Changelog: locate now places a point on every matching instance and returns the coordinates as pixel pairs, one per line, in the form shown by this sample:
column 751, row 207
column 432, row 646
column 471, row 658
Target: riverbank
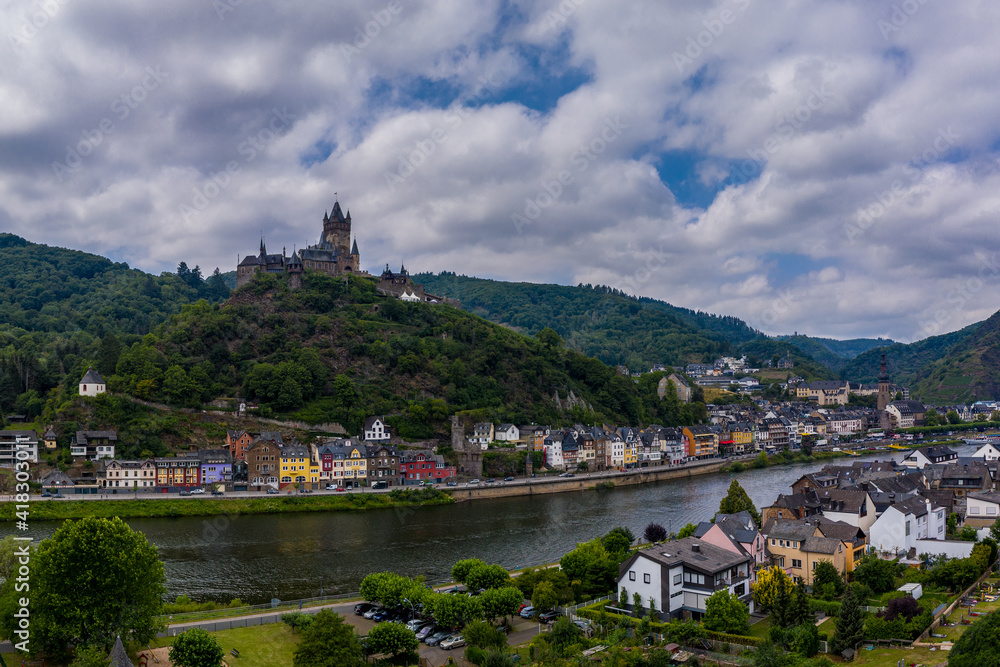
column 57, row 510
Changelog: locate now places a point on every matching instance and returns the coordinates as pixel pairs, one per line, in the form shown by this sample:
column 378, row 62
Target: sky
column 821, row 166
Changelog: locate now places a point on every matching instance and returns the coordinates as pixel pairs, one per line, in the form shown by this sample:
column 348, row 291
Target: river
column 290, row 556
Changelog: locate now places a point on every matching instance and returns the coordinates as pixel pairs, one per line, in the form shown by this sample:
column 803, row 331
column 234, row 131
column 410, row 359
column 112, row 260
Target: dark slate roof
column 821, row 545
column 314, row 254
column 50, row 435
column 118, row 655
column 82, row 437
column 843, row 500
column 708, row 558
column 249, row 260
column 988, row 496
column 369, row 422
column 354, row 248
column 92, row 377
column 788, row 530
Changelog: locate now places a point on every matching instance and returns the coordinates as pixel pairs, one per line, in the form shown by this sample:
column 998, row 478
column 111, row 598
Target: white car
column 452, row 642
column 197, row 490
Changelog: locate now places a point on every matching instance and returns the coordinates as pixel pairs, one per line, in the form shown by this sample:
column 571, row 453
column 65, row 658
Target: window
column 772, row 541
column 907, row 527
column 677, row 578
column 631, row 576
column 645, row 578
column 796, row 564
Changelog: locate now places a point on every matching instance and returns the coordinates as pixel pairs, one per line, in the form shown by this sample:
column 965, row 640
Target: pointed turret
column 884, row 373
column 263, row 248
column 354, row 248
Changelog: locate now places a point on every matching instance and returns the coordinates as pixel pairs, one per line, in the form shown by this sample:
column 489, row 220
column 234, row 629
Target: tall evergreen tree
column 800, row 607
column 737, row 500
column 850, row 623
column 782, row 613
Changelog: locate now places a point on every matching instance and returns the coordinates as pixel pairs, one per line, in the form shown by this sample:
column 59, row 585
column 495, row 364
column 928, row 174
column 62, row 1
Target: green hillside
column 761, row 350
column 905, row 361
column 598, row 321
column 61, row 310
column 968, row 371
column 832, row 353
column 336, row 351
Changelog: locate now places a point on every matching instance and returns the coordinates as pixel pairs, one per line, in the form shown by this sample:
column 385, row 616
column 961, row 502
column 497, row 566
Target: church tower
column 884, row 388
column 337, row 230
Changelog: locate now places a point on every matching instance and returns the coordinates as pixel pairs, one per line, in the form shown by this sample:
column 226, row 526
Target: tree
column 654, row 532
column 624, row 532
column 953, row 417
column 877, row 574
column 483, row 635
column 196, row 648
column 725, row 613
column 116, row 578
column 544, row 596
column 391, row 639
column 782, row 612
column 737, row 500
column 687, row 531
column 977, row 647
column 800, row 605
column 622, row 598
column 931, row 417
column 590, row 569
column 995, row 531
column 769, row 582
column 460, row 570
column 615, row 543
column 850, row 623
column 454, row 611
column 329, row 642
column 564, row 633
column 500, row 602
column 827, row 580
column 485, row 577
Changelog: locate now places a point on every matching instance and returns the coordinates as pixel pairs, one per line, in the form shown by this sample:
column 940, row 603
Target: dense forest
column 335, row 350
column 62, row 310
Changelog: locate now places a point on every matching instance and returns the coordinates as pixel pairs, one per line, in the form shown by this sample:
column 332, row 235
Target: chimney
column 696, row 548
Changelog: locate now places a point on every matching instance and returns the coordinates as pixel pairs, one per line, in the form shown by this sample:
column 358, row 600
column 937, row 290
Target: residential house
column 552, row 450
column 216, row 466
column 737, row 533
column 702, row 441
column 420, row 466
column 906, row 414
column 127, row 475
column 615, row 449
column 263, row 459
column 742, row 437
column 854, row 539
column 965, row 478
column 679, row 576
column 383, row 464
column 349, row 463
column 506, row 433
column 181, row 472
column 987, row 452
column 50, row 439
column 681, row 387
column 237, row 442
column 815, row 481
column 648, row 450
column 982, row 509
column 92, row 383
column 298, row 467
column 853, row 506
column 795, row 547
column 795, row 506
column 570, row 451
column 777, row 434
column 376, row 430
column 56, row 480
column 844, row 423
column 482, row 435
column 18, row 446
column 673, row 445
column 94, row 445
column 899, row 528
column 932, row 455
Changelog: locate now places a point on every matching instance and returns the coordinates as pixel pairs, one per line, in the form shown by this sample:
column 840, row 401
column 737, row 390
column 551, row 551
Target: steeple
column 884, row 373
column 263, row 248
column 354, row 248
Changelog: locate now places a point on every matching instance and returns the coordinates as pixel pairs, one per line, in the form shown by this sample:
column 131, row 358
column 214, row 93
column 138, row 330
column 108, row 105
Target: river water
column 290, row 556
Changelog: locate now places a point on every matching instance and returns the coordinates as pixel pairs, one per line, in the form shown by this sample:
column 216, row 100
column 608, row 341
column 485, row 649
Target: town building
column 679, row 576
column 737, row 533
column 904, row 527
column 12, row 442
column 94, row 445
column 932, row 455
column 127, row 475
column 375, row 430
column 421, row 466
column 178, row 473
column 263, row 459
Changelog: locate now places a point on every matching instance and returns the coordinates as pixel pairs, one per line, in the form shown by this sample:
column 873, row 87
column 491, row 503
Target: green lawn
column 761, row 629
column 271, row 645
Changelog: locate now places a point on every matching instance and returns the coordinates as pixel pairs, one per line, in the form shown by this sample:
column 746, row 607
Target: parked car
column 218, row 493
column 491, row 481
column 380, row 615
column 548, row 616
column 46, row 494
column 437, row 637
column 521, row 608
column 527, row 612
column 197, row 490
column 418, row 624
column 424, row 632
column 58, row 495
column 362, row 607
column 452, row 482
column 452, row 642
column 508, row 479
column 371, row 612
column 273, row 491
column 475, row 481
column 185, row 493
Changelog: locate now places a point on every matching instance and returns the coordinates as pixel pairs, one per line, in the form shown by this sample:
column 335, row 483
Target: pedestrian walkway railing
column 282, row 606
column 570, row 611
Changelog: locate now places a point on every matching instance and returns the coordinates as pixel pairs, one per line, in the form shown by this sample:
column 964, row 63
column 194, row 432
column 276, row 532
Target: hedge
column 831, row 608
column 594, row 613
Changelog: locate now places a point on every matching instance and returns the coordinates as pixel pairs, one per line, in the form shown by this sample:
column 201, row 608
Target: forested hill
column 337, row 351
column 599, row 321
column 58, row 306
column 834, row 354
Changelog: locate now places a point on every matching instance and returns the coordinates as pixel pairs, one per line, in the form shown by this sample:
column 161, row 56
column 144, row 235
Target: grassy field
column 259, row 646
column 178, row 507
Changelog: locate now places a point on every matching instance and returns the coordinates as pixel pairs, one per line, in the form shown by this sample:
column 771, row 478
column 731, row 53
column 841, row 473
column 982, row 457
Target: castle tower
column 884, row 388
column 337, row 230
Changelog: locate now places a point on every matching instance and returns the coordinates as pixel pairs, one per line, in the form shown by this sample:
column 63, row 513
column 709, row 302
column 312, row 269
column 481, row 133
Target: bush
column 831, row 608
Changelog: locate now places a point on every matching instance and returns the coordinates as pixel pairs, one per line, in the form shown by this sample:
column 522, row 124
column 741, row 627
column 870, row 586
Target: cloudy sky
column 821, row 166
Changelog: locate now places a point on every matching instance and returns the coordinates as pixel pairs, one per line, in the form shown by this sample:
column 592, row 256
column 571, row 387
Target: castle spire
column 263, row 248
column 354, row 248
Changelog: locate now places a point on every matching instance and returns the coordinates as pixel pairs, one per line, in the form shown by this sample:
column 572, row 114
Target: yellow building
column 631, row 457
column 298, row 466
column 798, row 546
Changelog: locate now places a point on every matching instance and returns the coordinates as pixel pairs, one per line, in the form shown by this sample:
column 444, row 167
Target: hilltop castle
column 330, row 256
